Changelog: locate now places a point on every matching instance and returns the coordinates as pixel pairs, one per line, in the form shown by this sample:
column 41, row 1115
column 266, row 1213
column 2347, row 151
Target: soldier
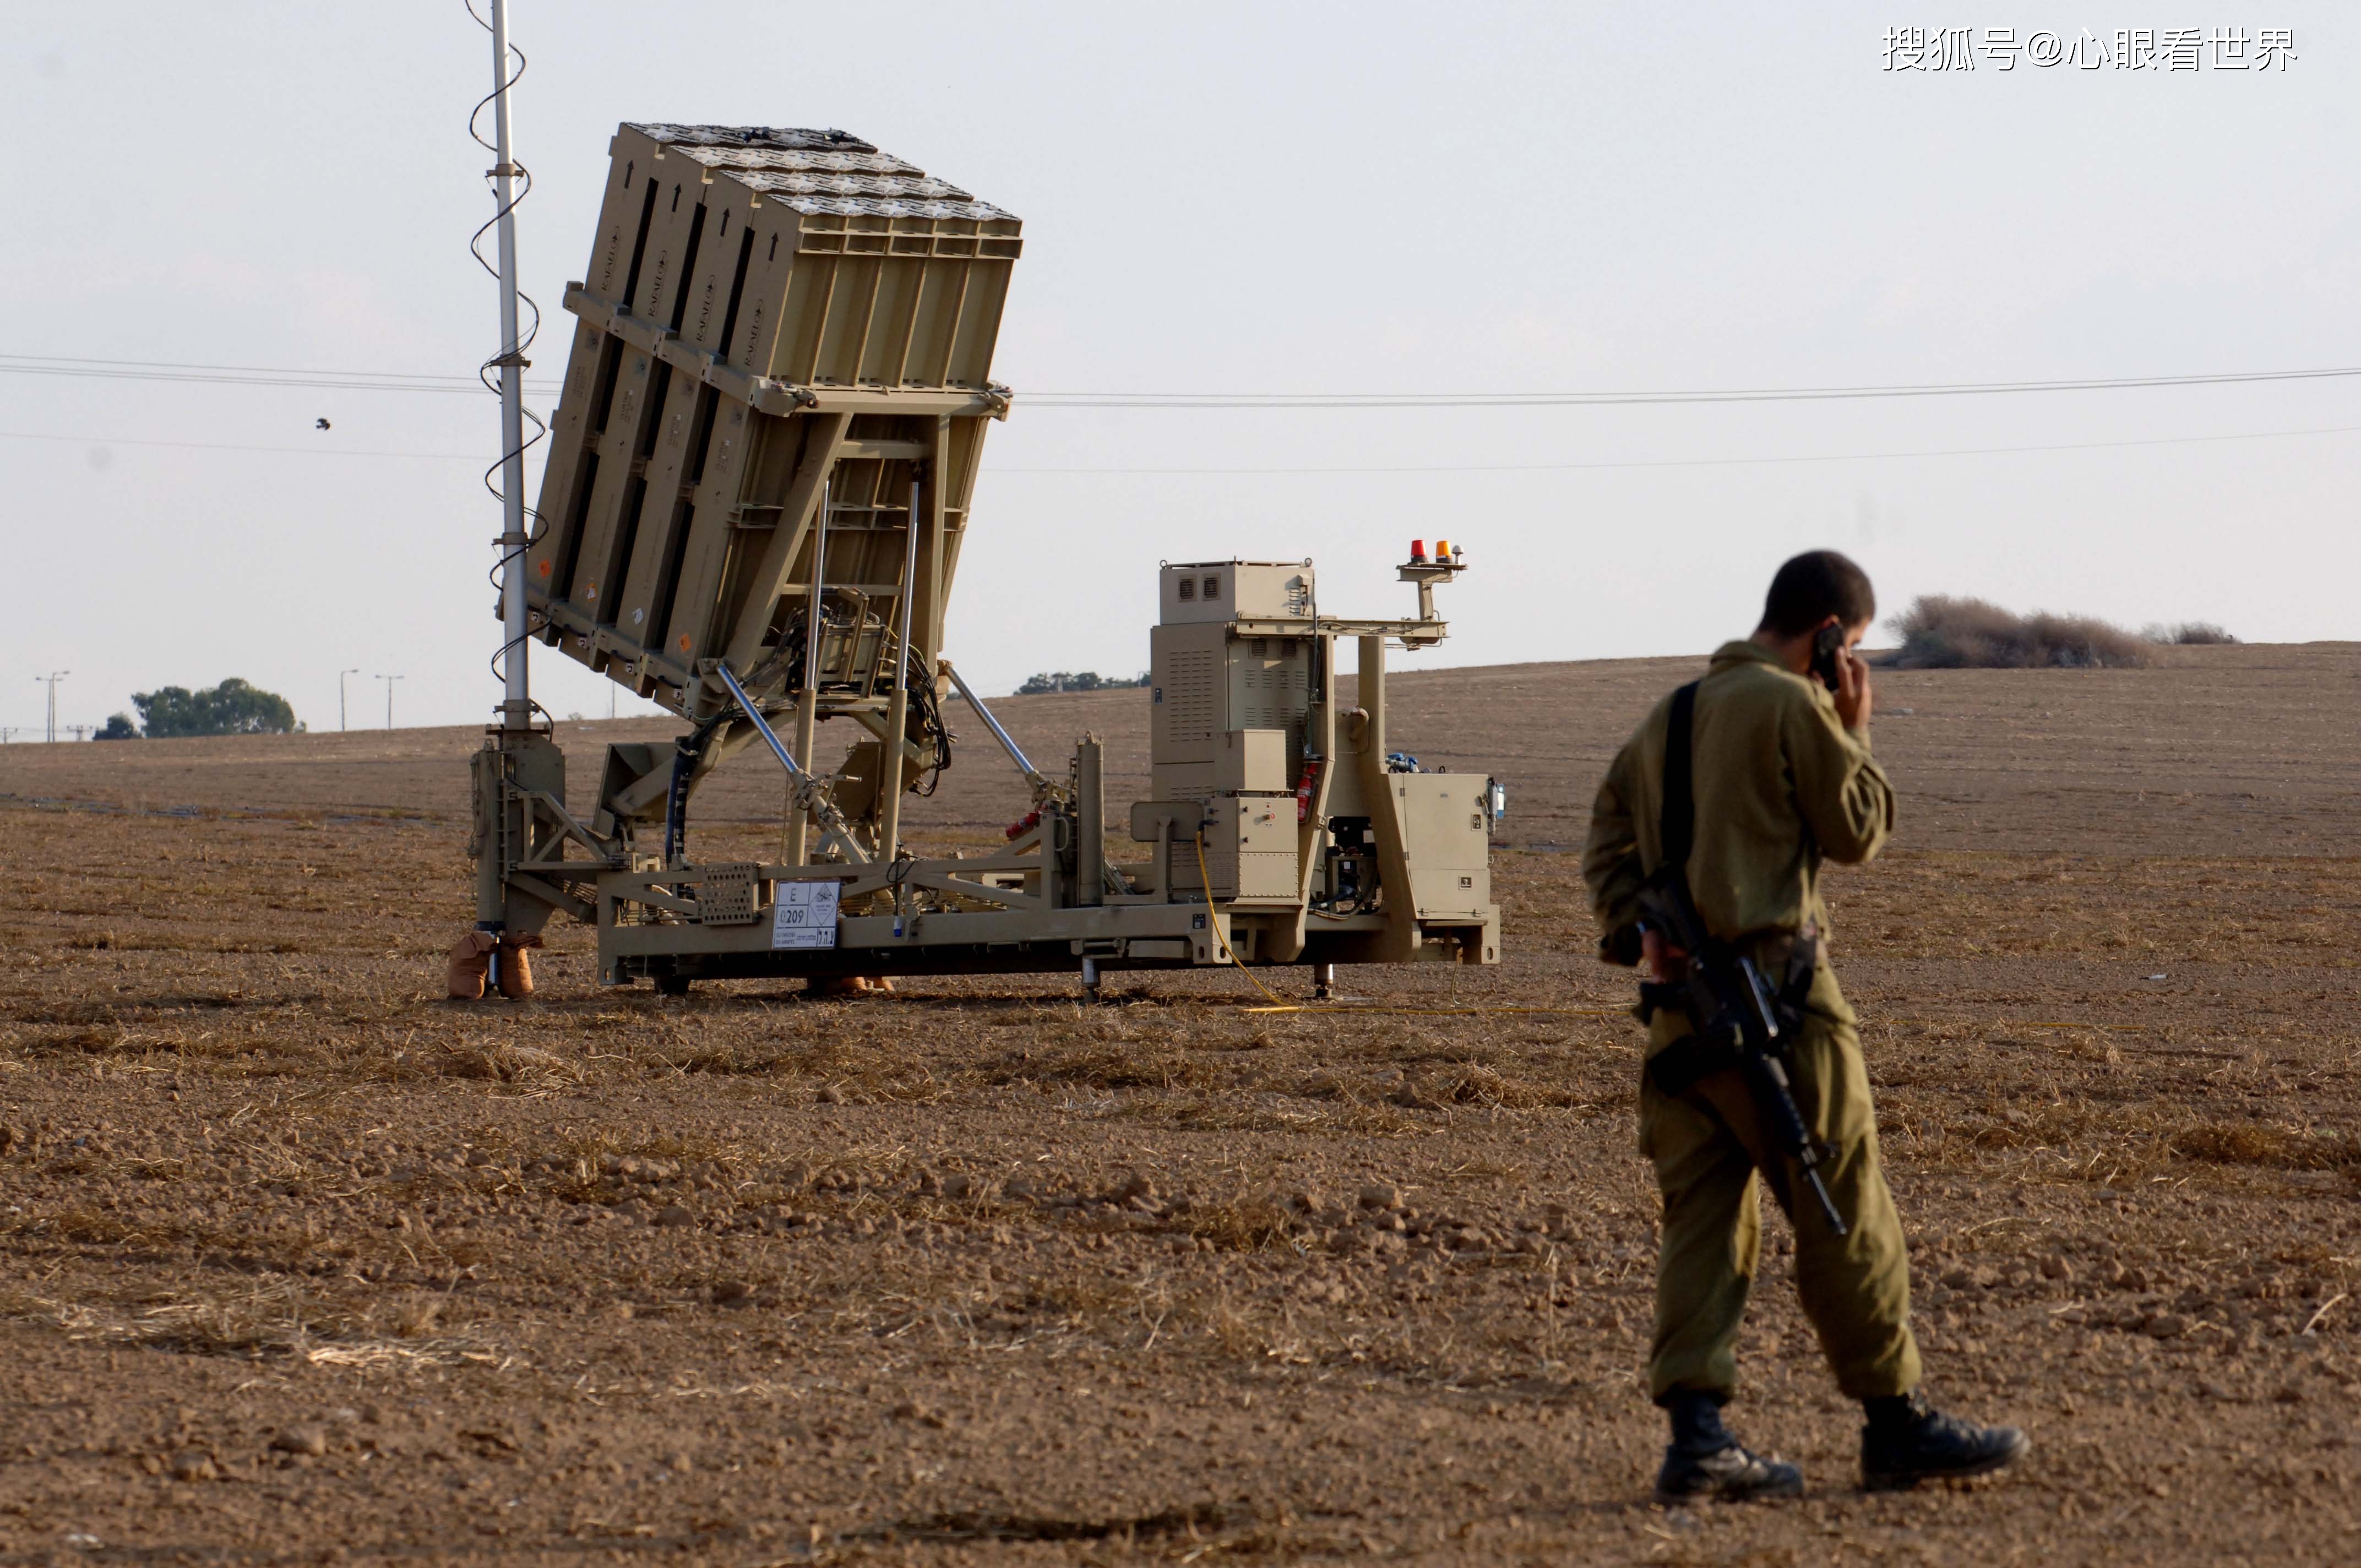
column 1779, row 775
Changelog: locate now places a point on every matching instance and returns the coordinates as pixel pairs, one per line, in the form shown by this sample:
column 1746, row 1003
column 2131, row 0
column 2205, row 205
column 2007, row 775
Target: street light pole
column 389, row 680
column 53, row 677
column 340, row 696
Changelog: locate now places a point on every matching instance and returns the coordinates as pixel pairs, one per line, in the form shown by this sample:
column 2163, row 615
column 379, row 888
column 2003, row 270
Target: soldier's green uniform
column 1779, row 785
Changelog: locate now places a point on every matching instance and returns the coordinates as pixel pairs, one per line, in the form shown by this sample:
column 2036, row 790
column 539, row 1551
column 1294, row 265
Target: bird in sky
column 319, row 424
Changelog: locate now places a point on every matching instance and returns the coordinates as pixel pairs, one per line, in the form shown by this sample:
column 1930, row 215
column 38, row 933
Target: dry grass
column 2278, row 1148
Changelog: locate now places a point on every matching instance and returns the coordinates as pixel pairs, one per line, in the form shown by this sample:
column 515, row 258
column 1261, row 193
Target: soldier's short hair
column 1815, row 586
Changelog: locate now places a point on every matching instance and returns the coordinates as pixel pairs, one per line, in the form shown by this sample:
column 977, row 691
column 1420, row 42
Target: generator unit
column 756, row 495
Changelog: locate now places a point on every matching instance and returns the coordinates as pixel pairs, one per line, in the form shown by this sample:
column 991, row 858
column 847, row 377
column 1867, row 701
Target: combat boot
column 1731, row 1474
column 1908, row 1441
column 1705, row 1461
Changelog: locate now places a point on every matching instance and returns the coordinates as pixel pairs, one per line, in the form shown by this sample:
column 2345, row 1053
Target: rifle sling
column 1683, row 1063
column 1679, row 1066
column 1676, row 817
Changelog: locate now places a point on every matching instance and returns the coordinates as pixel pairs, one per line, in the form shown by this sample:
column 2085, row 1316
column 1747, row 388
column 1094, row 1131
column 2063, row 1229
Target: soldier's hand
column 1660, row 955
column 1852, row 694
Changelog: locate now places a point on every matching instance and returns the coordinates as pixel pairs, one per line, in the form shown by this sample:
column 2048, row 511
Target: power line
column 1721, row 462
column 1338, row 468
column 67, row 359
column 1626, row 400
column 415, row 381
column 245, row 375
column 322, row 451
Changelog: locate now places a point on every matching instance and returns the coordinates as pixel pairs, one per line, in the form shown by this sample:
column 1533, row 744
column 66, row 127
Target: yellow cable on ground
column 1214, row 920
column 2011, row 1022
column 1438, row 1012
column 1616, row 1012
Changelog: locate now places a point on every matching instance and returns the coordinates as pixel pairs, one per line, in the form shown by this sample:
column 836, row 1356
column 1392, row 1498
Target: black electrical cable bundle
column 928, row 703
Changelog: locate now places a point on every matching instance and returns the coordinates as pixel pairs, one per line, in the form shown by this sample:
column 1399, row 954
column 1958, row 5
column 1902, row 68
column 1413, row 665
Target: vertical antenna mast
column 516, row 708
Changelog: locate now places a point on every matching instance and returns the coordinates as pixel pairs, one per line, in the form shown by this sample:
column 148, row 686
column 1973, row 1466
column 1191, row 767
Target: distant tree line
column 233, row 707
column 1068, row 681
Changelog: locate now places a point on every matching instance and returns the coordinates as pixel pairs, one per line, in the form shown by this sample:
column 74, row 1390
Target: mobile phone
column 1824, row 649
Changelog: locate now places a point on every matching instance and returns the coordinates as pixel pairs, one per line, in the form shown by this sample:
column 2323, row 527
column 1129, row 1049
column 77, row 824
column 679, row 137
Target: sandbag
column 470, row 958
column 516, row 969
column 822, row 988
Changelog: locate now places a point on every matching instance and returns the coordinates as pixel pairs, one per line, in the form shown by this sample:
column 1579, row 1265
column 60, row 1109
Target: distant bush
column 1943, row 633
column 118, row 728
column 2189, row 634
column 1066, row 681
column 233, row 707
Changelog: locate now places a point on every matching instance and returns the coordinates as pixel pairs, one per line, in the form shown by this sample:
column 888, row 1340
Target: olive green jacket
column 1779, row 783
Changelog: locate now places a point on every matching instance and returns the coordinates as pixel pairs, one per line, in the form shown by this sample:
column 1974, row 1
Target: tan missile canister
column 768, row 315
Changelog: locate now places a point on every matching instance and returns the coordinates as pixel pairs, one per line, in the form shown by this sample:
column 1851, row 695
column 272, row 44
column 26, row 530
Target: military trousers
column 1708, row 1152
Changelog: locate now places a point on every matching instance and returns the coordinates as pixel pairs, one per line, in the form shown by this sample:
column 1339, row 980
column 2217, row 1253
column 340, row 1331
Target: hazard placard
column 804, row 914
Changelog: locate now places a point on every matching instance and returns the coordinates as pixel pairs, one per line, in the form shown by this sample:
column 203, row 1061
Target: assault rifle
column 1736, row 1013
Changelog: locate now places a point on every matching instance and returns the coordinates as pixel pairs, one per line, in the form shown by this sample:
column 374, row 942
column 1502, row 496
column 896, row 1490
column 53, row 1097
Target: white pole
column 897, row 711
column 812, row 605
column 807, row 700
column 341, row 726
column 516, row 709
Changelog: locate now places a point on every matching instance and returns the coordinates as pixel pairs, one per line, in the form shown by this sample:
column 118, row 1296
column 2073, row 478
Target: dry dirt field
column 300, row 1263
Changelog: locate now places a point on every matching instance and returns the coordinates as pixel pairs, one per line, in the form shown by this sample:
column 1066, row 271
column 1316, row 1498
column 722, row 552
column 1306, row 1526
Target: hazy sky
column 1220, row 198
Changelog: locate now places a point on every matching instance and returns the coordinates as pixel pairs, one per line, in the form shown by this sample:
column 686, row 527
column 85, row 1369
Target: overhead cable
column 1273, row 401
column 246, row 375
column 333, row 451
column 412, row 381
column 1710, row 461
